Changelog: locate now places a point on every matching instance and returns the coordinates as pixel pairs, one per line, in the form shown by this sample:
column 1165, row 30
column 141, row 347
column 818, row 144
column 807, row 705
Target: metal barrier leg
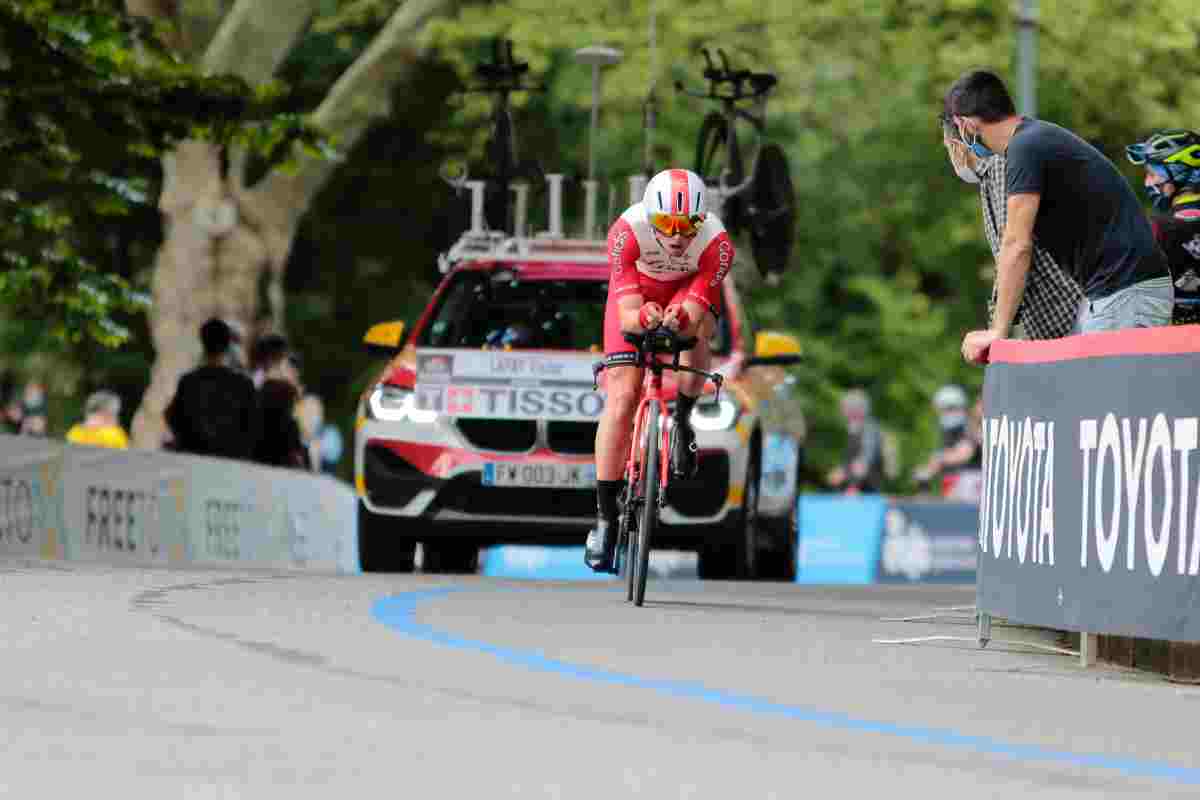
column 985, row 628
column 1089, row 646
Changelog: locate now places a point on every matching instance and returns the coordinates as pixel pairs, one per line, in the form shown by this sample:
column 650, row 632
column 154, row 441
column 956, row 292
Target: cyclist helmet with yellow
column 1172, row 161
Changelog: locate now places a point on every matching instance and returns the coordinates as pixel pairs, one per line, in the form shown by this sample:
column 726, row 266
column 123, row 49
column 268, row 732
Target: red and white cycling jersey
column 634, row 251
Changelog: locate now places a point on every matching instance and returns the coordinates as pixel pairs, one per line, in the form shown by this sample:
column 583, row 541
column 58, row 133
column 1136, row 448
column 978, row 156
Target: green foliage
column 90, row 100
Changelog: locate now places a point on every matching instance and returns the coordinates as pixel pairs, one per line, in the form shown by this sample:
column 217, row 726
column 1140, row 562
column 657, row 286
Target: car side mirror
column 775, row 349
column 384, row 338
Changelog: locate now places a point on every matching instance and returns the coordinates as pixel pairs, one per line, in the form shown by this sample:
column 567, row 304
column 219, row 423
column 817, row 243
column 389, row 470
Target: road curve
column 193, row 683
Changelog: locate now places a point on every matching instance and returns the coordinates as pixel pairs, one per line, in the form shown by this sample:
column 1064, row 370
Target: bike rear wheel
column 773, row 217
column 649, row 508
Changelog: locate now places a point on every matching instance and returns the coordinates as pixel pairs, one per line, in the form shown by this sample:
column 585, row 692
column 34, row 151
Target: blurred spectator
column 324, row 440
column 1171, row 159
column 235, row 357
column 280, row 441
column 101, row 426
column 268, row 354
column 10, row 404
column 213, row 411
column 862, row 468
column 959, row 452
column 1050, row 304
column 33, row 409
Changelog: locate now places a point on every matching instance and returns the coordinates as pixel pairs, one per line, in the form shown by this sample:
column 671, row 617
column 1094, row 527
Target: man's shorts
column 664, row 293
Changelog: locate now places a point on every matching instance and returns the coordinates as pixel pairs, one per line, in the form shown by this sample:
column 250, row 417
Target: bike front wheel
column 649, row 507
column 712, row 158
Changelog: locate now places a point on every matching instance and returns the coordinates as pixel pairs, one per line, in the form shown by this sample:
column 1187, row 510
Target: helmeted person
column 667, row 258
column 1171, row 159
column 958, row 450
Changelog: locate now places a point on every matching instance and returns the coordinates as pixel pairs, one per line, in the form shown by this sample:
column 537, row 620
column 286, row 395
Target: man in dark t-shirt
column 1065, row 193
column 214, row 410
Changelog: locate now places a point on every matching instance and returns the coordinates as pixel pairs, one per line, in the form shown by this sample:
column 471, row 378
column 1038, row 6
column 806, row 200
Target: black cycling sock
column 683, row 408
column 608, row 497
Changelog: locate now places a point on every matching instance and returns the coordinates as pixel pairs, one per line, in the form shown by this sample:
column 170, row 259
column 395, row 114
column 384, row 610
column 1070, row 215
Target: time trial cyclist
column 667, row 257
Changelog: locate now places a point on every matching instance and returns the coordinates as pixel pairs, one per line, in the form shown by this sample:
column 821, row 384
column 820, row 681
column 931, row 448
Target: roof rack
column 478, row 243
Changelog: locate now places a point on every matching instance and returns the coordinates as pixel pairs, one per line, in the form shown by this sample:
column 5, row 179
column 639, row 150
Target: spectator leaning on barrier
column 100, row 426
column 1067, row 194
column 1050, row 304
column 1172, row 162
column 862, row 468
column 214, row 412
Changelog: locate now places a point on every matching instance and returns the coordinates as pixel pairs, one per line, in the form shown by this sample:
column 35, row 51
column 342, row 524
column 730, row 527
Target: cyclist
column 667, row 257
column 1172, row 162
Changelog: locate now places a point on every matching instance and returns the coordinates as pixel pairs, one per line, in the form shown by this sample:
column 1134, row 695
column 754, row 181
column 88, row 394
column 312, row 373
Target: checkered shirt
column 1052, row 298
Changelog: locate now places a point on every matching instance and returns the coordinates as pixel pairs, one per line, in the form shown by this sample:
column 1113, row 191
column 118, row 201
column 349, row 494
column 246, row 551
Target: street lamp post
column 597, row 56
column 1027, row 57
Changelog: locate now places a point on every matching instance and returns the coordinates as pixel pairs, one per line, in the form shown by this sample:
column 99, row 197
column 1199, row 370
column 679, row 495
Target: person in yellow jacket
column 100, row 427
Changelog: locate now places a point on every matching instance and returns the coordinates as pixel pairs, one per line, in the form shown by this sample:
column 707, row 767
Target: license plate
column 545, row 475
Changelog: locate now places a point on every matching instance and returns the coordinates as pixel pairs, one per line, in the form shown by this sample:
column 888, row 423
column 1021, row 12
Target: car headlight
column 394, row 404
column 719, row 416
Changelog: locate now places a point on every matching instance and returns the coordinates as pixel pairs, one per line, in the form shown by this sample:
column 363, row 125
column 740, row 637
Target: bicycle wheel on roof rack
column 772, row 213
column 712, row 157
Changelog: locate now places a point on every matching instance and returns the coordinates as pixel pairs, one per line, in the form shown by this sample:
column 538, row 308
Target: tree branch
column 361, row 95
column 256, row 36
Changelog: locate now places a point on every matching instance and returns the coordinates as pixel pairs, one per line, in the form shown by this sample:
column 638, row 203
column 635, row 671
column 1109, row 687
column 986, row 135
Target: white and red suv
column 480, row 430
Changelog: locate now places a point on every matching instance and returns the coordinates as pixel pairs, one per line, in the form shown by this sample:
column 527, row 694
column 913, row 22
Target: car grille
column 390, row 479
column 571, row 438
column 467, row 494
column 500, row 435
column 703, row 495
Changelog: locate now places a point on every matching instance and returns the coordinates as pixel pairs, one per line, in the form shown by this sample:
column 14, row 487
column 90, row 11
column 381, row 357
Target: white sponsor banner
column 138, row 507
column 453, row 365
column 123, row 507
column 512, row 402
column 30, row 502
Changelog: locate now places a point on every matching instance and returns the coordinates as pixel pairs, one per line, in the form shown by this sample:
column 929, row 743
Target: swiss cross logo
column 1193, row 247
column 460, row 400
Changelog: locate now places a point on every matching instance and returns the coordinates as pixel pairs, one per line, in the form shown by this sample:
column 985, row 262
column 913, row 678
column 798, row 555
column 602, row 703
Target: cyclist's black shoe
column 601, row 545
column 683, row 451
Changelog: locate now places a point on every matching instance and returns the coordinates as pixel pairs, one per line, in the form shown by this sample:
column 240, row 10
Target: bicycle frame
column 651, row 390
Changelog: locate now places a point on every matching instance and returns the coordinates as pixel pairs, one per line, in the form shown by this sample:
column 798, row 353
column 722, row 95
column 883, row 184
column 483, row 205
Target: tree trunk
column 222, row 237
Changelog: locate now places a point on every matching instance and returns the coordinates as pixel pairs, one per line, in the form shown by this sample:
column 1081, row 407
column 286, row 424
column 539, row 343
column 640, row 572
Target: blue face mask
column 980, row 149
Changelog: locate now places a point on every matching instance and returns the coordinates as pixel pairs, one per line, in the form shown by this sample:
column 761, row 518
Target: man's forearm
column 1012, row 269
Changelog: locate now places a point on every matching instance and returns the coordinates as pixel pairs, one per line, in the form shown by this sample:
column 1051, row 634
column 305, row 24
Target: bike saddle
column 762, row 81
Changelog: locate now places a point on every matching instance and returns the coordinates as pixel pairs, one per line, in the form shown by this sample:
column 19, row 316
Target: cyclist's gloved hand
column 676, row 318
column 650, row 316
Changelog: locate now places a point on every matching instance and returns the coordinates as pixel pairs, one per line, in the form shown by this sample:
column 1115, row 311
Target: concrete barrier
column 77, row 503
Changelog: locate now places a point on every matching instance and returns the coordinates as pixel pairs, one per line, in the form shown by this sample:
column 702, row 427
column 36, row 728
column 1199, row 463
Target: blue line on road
column 398, row 614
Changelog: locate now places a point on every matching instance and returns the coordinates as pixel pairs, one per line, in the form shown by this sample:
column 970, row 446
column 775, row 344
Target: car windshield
column 499, row 309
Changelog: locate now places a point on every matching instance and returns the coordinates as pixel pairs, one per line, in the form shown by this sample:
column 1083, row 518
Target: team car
column 480, row 429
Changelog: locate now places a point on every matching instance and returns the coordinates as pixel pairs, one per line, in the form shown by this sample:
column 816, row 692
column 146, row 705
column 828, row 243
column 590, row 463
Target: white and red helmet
column 678, row 192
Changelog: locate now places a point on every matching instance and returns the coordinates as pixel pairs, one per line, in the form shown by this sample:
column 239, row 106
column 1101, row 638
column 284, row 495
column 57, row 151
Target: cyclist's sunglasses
column 677, row 224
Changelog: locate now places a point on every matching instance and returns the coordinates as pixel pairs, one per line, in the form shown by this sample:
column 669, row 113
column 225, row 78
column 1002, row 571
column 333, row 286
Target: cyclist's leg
column 701, row 324
column 623, row 388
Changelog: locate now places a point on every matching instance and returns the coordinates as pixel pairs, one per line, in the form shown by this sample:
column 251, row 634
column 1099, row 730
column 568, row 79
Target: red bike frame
column 651, row 390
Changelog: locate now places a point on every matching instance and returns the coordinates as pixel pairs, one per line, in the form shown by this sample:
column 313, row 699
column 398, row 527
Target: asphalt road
column 198, row 684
